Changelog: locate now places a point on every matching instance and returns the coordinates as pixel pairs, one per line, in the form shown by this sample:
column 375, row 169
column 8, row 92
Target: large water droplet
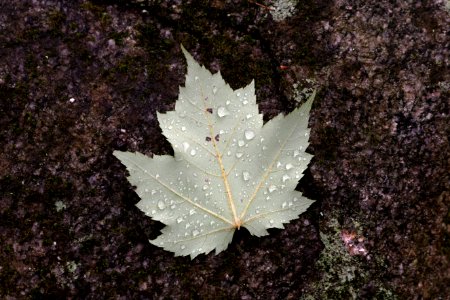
column 249, row 134
column 246, row 175
column 272, row 188
column 185, row 146
column 222, row 112
column 161, row 204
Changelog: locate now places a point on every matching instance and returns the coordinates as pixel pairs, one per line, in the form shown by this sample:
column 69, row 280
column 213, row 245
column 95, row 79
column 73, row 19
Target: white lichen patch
column 283, row 9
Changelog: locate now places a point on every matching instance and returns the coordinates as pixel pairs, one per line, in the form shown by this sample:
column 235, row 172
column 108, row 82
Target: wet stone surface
column 79, row 79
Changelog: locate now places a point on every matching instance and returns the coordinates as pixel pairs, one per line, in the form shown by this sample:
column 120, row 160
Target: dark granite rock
column 79, row 79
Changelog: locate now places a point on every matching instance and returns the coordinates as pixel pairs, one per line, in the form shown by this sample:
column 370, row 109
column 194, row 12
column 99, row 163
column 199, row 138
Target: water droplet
column 187, row 225
column 246, row 175
column 182, row 247
column 241, row 143
column 238, row 94
column 157, row 176
column 179, row 220
column 185, row 146
column 183, row 128
column 239, row 154
column 146, row 190
column 248, row 116
column 193, row 152
column 205, row 187
column 222, row 112
column 195, row 232
column 249, row 134
column 279, row 164
column 228, row 102
column 161, row 204
column 271, row 222
column 286, row 177
column 296, row 153
column 245, row 102
column 196, row 78
column 289, row 166
column 283, row 205
column 272, row 188
column 191, row 212
column 214, row 90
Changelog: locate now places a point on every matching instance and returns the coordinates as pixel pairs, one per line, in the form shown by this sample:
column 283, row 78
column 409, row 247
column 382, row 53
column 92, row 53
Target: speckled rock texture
column 79, row 79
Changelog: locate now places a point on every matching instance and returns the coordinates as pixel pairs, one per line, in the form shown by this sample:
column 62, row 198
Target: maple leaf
column 228, row 170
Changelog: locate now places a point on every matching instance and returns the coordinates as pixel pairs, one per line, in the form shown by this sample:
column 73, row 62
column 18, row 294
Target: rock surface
column 79, row 79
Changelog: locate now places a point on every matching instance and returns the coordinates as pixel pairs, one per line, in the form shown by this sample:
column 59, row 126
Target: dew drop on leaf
column 222, row 112
column 249, row 134
column 241, row 143
column 185, row 146
column 195, row 232
column 193, row 152
column 179, row 220
column 246, row 175
column 161, row 204
column 272, row 188
column 289, row 166
column 239, row 154
column 286, row 177
column 214, row 90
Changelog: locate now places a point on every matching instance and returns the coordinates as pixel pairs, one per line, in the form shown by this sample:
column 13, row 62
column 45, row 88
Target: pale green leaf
column 228, row 170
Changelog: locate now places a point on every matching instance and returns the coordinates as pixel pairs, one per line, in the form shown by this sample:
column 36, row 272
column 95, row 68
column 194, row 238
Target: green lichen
column 343, row 275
